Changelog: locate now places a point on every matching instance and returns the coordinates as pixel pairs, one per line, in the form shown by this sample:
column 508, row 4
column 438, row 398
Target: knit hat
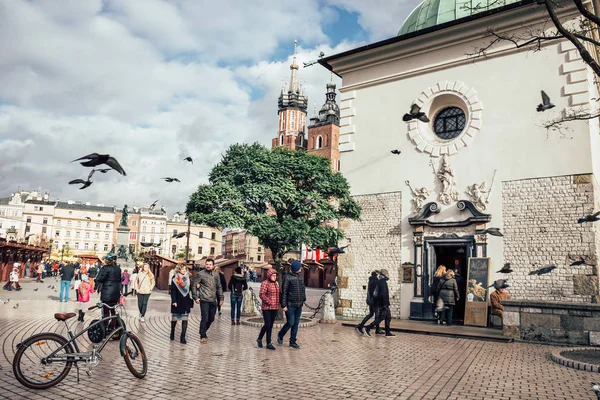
column 383, row 272
column 296, row 266
column 238, row 270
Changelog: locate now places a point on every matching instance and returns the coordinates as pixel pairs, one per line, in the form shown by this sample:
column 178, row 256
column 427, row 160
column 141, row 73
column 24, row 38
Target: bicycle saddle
column 64, row 317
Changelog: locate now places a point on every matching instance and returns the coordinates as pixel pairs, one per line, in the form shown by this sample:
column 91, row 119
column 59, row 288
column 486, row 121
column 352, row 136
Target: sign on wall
column 476, row 307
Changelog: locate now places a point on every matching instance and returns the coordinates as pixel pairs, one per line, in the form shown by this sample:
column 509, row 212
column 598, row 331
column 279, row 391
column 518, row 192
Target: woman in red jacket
column 269, row 294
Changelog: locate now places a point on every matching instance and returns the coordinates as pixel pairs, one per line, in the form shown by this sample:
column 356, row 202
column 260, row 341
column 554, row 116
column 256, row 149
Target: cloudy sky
column 153, row 81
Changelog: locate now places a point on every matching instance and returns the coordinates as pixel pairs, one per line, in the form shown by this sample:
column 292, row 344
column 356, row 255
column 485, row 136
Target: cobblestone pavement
column 334, row 362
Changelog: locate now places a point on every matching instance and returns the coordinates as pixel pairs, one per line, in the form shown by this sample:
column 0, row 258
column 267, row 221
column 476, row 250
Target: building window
column 132, row 236
column 76, row 246
column 88, row 224
column 96, row 235
column 143, row 229
column 98, row 225
column 281, row 122
column 301, row 139
column 44, row 229
column 86, row 246
column 95, row 246
column 199, row 250
column 68, row 233
column 174, row 232
column 259, row 249
column 70, row 212
column 105, row 247
column 77, row 234
column 78, row 223
column 174, row 249
column 106, row 236
column 87, row 235
column 319, row 142
column 292, row 120
column 69, row 223
column 152, row 230
column 339, row 166
column 143, row 239
column 28, row 219
column 66, row 244
column 35, row 208
column 133, row 223
column 212, row 251
column 27, row 229
column 201, row 235
column 58, row 222
column 213, row 236
column 258, row 258
column 57, row 233
column 107, row 226
column 449, row 123
column 281, row 140
column 162, row 230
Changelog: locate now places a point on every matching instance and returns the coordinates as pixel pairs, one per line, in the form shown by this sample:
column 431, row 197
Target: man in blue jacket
column 293, row 297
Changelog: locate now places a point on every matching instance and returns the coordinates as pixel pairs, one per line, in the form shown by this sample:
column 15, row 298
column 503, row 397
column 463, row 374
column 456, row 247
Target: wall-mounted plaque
column 407, row 274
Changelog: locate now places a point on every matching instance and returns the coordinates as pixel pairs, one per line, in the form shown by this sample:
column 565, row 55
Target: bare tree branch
column 586, row 13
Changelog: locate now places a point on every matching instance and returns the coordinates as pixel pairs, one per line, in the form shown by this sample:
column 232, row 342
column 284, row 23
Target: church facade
column 432, row 185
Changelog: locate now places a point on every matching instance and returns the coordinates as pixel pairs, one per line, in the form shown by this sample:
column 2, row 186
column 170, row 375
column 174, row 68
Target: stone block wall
column 540, row 228
column 552, row 322
column 375, row 243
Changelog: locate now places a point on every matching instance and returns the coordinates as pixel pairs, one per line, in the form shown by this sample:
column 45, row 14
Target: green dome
column 435, row 12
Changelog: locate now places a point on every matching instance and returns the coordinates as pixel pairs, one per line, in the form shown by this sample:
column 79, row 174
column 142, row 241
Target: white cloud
column 148, row 82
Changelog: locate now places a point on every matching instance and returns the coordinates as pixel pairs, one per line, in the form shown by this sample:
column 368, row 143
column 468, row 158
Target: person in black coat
column 108, row 283
column 373, row 279
column 223, row 285
column 181, row 301
column 381, row 301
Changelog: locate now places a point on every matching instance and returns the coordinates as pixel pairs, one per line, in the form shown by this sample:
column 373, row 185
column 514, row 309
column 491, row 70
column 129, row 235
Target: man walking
column 381, row 300
column 207, row 291
column 293, row 297
column 66, row 275
column 373, row 279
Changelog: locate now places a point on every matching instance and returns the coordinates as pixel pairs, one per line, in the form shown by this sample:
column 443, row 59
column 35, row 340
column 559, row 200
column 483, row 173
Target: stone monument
column 123, row 242
column 328, row 310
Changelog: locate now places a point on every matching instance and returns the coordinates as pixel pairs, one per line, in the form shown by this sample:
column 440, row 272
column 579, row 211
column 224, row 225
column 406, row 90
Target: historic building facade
column 430, row 188
column 204, row 240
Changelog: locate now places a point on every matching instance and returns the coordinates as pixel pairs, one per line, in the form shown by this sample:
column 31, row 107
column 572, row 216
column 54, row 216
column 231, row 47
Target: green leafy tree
column 282, row 197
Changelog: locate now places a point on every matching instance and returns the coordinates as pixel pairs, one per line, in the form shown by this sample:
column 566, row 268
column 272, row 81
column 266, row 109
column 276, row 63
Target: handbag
column 439, row 304
column 122, row 300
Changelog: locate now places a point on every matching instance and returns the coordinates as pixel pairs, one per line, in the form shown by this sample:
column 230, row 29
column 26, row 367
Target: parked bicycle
column 45, row 359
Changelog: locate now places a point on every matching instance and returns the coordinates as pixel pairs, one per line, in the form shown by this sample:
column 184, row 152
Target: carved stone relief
column 445, row 175
column 419, row 197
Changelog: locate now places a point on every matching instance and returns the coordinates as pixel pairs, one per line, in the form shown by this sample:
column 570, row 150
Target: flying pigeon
column 396, row 152
column 179, row 235
column 505, row 269
column 103, row 170
column 85, row 184
column 189, row 159
column 171, row 179
column 321, row 55
column 493, row 231
column 589, row 218
column 162, row 209
column 152, row 205
column 500, row 284
column 88, row 218
column 146, row 244
column 5, row 301
column 415, row 113
column 581, row 261
column 332, row 253
column 544, row 270
column 95, row 159
column 546, row 104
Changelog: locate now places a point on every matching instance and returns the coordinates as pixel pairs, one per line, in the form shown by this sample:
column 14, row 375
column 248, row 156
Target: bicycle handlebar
column 101, row 304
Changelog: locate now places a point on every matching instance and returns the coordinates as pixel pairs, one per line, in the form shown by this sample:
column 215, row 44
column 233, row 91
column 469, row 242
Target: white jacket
column 14, row 276
column 143, row 283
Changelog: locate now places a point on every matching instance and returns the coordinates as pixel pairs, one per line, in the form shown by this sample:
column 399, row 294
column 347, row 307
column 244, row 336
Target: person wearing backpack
column 381, row 301
column 237, row 285
column 373, row 279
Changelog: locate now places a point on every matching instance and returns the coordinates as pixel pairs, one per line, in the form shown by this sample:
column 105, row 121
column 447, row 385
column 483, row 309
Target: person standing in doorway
column 269, row 294
column 223, row 281
column 371, row 285
column 207, row 292
column 66, row 276
column 439, row 274
column 237, row 285
column 144, row 284
column 381, row 299
column 293, row 297
column 448, row 292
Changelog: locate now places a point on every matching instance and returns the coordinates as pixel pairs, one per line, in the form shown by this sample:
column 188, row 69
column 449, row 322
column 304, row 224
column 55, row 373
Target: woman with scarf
column 181, row 301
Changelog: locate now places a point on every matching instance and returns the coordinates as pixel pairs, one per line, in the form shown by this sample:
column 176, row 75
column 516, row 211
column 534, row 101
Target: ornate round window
column 449, row 123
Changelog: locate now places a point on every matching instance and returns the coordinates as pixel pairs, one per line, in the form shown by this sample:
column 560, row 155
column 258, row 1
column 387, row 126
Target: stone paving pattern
column 334, row 362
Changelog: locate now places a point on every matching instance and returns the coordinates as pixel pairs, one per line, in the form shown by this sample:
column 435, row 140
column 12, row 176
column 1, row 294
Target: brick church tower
column 293, row 103
column 324, row 130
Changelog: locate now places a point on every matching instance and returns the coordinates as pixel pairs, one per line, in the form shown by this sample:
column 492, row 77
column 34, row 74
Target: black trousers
column 143, row 303
column 382, row 314
column 107, row 312
column 368, row 317
column 207, row 312
column 449, row 313
column 269, row 317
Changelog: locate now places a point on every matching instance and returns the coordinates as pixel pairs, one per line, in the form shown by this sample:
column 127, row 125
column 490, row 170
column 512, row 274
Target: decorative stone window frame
column 432, row 101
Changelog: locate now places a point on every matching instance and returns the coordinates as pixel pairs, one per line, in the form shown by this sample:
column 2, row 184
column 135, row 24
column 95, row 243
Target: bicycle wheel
column 135, row 356
column 31, row 371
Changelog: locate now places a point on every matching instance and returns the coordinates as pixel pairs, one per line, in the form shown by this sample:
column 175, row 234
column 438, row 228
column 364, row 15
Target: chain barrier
column 255, row 299
column 321, row 302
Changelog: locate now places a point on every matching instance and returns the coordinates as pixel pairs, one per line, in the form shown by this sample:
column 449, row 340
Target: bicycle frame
column 83, row 356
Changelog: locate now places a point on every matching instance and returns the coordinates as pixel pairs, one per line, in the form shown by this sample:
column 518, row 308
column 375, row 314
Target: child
column 83, row 295
column 13, row 279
